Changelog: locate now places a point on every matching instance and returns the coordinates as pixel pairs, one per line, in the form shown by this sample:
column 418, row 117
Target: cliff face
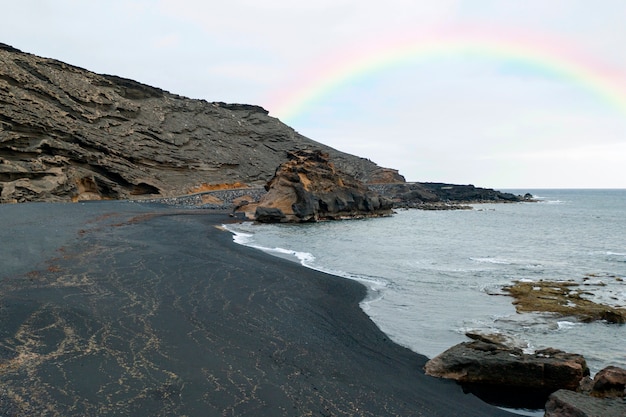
column 68, row 133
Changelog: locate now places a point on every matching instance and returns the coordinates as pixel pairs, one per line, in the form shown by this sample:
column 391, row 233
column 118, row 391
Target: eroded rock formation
column 308, row 187
column 68, row 133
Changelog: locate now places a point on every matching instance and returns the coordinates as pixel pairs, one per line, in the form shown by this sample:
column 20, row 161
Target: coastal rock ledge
column 309, row 188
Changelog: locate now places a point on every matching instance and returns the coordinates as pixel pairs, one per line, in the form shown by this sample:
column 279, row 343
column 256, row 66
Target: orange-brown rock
column 565, row 298
column 308, row 187
column 214, row 187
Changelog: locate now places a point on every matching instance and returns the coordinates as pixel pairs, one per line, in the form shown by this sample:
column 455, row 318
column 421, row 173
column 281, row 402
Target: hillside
column 70, row 134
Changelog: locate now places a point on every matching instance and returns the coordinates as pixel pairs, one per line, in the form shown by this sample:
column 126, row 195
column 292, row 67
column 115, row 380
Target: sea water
column 435, row 275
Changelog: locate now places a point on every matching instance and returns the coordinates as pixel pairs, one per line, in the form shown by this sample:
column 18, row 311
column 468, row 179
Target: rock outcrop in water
column 68, row 133
column 440, row 196
column 565, row 298
column 308, row 188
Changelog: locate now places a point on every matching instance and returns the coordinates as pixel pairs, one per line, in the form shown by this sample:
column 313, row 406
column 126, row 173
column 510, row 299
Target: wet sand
column 118, row 309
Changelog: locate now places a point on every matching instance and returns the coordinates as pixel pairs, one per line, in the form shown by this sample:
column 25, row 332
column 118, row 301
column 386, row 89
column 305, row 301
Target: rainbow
column 552, row 58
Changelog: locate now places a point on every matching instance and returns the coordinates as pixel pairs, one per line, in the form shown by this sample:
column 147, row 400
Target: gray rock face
column 68, row 133
column 565, row 403
column 604, row 396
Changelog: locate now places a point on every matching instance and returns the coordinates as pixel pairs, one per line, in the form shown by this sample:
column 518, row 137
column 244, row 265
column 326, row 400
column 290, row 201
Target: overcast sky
column 496, row 93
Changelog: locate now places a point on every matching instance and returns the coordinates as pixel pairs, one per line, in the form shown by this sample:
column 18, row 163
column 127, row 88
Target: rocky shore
column 146, row 308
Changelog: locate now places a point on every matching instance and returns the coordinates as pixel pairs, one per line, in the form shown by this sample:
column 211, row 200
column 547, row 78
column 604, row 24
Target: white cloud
column 168, row 41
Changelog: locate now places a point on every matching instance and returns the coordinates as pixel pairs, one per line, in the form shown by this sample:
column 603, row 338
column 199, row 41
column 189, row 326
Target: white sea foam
column 247, row 239
column 240, row 237
column 546, row 200
column 490, row 260
column 374, row 284
column 566, row 325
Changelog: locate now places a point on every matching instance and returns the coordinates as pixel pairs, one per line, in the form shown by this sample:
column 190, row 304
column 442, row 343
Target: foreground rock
column 506, row 376
column 609, row 383
column 68, row 133
column 308, row 188
column 604, row 396
column 564, row 298
column 565, row 403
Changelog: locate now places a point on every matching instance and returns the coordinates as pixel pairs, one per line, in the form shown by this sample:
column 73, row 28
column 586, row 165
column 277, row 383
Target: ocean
column 435, row 275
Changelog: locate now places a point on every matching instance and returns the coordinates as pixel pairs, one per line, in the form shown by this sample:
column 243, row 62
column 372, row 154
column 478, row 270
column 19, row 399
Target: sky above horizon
column 495, row 93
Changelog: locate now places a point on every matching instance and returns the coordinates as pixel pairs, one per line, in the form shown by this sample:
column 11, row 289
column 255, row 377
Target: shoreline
column 155, row 311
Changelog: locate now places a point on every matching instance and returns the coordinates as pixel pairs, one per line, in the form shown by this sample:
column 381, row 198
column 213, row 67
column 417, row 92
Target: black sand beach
column 121, row 309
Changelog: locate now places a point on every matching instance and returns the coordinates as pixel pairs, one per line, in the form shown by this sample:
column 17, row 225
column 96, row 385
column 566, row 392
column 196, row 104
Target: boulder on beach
column 506, row 376
column 308, row 188
column 602, row 396
column 610, row 382
column 565, row 403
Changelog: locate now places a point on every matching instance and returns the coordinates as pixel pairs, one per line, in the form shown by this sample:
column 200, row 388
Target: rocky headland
column 68, row 134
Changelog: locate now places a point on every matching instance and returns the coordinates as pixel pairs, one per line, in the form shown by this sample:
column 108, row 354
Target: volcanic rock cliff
column 68, row 133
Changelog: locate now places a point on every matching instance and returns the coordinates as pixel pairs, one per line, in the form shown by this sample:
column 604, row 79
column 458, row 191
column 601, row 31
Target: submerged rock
column 308, row 188
column 506, row 376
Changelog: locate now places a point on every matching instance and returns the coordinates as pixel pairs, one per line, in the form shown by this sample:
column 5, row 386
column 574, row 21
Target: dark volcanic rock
column 601, row 397
column 440, row 196
column 610, row 382
column 565, row 403
column 507, row 376
column 68, row 133
column 269, row 215
column 468, row 193
column 310, row 188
